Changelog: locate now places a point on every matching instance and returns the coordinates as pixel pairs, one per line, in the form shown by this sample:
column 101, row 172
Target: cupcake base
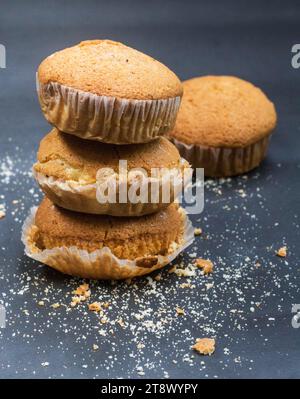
column 107, row 119
column 100, row 264
column 221, row 161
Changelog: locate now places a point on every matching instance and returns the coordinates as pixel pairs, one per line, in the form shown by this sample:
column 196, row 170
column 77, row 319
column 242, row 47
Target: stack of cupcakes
column 107, row 103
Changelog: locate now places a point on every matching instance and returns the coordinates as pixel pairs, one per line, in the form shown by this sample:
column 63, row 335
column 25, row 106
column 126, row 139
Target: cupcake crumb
column 185, row 285
column 204, row 346
column 197, row 231
column 282, row 252
column 205, row 264
column 121, row 323
column 75, row 301
column 180, row 311
column 172, row 269
column 95, row 307
column 83, row 289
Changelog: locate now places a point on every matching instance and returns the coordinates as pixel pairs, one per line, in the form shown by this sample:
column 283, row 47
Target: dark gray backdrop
column 250, row 39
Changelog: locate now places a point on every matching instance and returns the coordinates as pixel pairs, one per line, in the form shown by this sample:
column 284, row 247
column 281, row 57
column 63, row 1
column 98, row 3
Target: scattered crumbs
column 226, row 351
column 197, row 231
column 172, row 269
column 282, row 252
column 94, row 307
column 185, row 285
column 184, row 272
column 82, row 291
column 179, row 311
column 205, row 264
column 205, row 346
column 247, row 277
column 2, row 211
column 55, row 305
column 140, row 370
column 121, row 323
column 75, row 301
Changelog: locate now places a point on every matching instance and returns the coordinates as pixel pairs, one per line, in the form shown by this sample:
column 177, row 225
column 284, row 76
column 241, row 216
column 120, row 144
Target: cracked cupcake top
column 223, row 111
column 109, row 68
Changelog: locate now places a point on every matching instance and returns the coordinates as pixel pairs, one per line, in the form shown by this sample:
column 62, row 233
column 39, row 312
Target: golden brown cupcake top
column 127, row 237
column 109, row 68
column 223, row 111
column 66, row 157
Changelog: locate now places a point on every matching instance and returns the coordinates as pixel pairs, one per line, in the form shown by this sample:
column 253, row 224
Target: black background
column 249, row 39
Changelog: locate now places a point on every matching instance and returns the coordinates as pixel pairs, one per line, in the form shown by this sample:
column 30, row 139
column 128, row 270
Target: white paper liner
column 83, row 197
column 103, row 118
column 100, row 264
column 222, row 161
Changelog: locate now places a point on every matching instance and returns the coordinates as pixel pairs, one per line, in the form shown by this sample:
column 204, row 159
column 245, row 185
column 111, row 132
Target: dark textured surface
column 248, row 309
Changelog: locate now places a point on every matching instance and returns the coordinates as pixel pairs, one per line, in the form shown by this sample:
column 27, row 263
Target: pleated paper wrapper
column 222, row 161
column 107, row 119
column 102, row 263
column 82, row 197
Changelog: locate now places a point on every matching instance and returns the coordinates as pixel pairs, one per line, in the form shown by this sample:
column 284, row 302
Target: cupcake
column 223, row 125
column 103, row 90
column 105, row 247
column 73, row 173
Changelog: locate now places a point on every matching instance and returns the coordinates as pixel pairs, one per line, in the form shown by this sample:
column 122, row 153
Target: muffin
column 223, row 125
column 105, row 247
column 73, row 173
column 103, row 90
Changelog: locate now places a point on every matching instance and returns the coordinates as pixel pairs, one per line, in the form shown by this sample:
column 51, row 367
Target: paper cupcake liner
column 83, row 198
column 221, row 161
column 107, row 119
column 100, row 264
